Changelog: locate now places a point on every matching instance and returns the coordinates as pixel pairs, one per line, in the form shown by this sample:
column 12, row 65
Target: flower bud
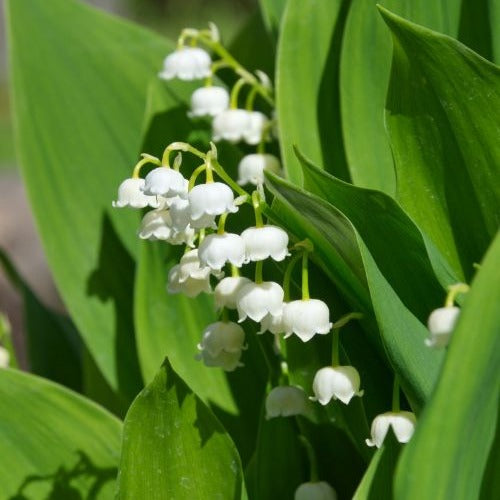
column 266, row 241
column 402, row 423
column 340, row 382
column 251, row 168
column 130, row 195
column 165, row 182
column 188, row 277
column 306, row 318
column 227, row 290
column 441, row 323
column 187, row 63
column 286, row 401
column 217, row 249
column 318, row 490
column 211, row 199
column 209, row 101
column 236, row 125
column 258, row 300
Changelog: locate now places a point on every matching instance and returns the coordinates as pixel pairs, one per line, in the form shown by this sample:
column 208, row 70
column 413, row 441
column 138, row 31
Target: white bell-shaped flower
column 180, row 213
column 187, row 63
column 217, row 249
column 156, row 225
column 226, row 291
column 273, row 324
column 264, row 242
column 166, row 182
column 251, row 168
column 214, row 198
column 340, row 382
column 258, row 300
column 318, row 490
column 4, row 357
column 188, row 277
column 130, row 195
column 209, row 101
column 221, row 345
column 236, row 125
column 286, row 401
column 306, row 318
column 441, row 323
column 402, row 423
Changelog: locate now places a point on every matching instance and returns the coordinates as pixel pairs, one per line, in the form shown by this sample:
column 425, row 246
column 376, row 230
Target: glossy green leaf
column 79, row 82
column 442, row 115
column 364, row 79
column 58, row 444
column 174, row 447
column 307, row 91
column 447, row 456
column 53, row 344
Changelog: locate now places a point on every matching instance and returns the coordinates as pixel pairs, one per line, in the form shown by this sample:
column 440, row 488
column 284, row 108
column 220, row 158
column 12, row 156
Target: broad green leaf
column 174, row 447
column 307, row 90
column 447, row 456
column 56, row 443
column 364, row 78
column 447, row 155
column 78, row 99
column 53, row 344
column 272, row 12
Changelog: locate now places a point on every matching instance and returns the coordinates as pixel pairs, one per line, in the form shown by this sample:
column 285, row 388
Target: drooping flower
column 306, row 318
column 402, row 423
column 317, row 490
column 4, row 357
column 264, row 242
column 130, row 195
column 157, row 225
column 441, row 323
column 340, row 382
column 226, row 291
column 286, row 401
column 236, row 125
column 221, row 345
column 251, row 168
column 188, row 277
column 187, row 63
column 211, row 199
column 209, row 101
column 257, row 300
column 166, row 182
column 217, row 249
column 273, row 324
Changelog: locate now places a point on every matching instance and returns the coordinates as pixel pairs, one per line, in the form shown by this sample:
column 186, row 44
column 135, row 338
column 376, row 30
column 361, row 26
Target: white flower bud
column 227, row 290
column 257, row 300
column 215, row 198
column 221, row 345
column 319, row 490
column 273, row 324
column 180, row 213
column 130, row 195
column 306, row 318
column 286, row 401
column 4, row 357
column 235, row 125
column 187, row 63
column 156, row 225
column 264, row 242
column 217, row 249
column 402, row 423
column 165, row 182
column 209, row 101
column 441, row 323
column 251, row 168
column 340, row 382
column 188, row 277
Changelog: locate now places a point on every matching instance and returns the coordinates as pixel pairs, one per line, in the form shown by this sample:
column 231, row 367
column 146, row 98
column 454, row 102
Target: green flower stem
column 217, row 65
column 197, row 171
column 225, row 315
column 258, row 271
column 453, row 291
column 395, row 395
column 235, row 272
column 257, row 210
column 201, row 236
column 287, row 278
column 250, row 99
column 313, row 464
column 219, row 170
column 335, row 347
column 305, row 276
column 235, row 91
column 221, row 228
column 180, row 146
column 346, row 318
column 140, row 163
column 208, row 171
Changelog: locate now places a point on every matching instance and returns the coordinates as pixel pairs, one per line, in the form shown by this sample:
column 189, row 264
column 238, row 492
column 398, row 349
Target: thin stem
column 250, row 99
column 313, row 464
column 346, row 318
column 180, row 146
column 258, row 271
column 197, row 171
column 395, row 395
column 335, row 347
column 235, row 272
column 288, row 276
column 225, row 315
column 209, row 174
column 217, row 65
column 219, row 169
column 257, row 210
column 305, row 277
column 140, row 163
column 201, row 236
column 453, row 291
column 235, row 91
column 222, row 223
